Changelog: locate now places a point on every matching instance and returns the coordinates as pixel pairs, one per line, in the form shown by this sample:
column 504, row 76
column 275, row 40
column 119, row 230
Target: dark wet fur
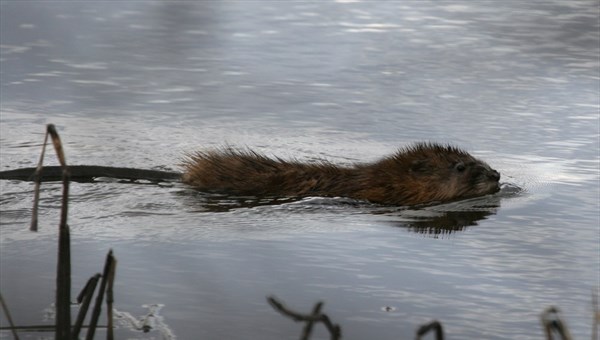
column 420, row 174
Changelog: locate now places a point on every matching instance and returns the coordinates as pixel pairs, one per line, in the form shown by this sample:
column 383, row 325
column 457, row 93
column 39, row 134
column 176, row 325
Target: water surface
column 140, row 84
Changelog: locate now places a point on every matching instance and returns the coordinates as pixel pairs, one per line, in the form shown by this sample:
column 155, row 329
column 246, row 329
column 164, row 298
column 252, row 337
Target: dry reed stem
column 36, row 191
column 100, row 296
column 62, row 327
column 110, row 298
column 63, row 270
column 84, row 298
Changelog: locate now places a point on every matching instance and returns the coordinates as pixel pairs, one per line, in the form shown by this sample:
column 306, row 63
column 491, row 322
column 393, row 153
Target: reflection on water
column 453, row 217
column 433, row 219
column 448, row 222
column 139, row 84
column 214, row 202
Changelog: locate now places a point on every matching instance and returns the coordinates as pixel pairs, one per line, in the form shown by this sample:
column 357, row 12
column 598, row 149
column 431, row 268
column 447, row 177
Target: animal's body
column 420, row 174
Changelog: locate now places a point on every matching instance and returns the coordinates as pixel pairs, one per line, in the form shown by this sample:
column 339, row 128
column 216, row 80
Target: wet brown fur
column 420, row 174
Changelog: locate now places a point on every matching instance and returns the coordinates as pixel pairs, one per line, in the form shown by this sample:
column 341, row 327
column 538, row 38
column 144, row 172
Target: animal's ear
column 419, row 166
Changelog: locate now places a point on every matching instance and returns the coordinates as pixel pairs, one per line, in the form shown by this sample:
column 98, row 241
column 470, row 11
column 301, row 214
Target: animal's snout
column 493, row 175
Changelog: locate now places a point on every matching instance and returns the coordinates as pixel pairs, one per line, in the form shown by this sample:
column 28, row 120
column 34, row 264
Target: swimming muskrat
column 419, row 174
column 422, row 173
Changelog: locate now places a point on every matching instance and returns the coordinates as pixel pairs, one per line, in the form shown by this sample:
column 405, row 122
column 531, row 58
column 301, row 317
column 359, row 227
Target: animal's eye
column 460, row 167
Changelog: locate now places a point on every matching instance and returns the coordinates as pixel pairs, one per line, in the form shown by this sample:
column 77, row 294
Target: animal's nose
column 494, row 175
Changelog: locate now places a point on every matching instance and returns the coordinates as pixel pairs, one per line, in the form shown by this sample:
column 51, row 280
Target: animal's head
column 444, row 173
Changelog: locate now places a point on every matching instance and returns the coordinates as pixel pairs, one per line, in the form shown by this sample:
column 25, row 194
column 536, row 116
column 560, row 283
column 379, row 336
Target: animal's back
column 423, row 173
column 249, row 173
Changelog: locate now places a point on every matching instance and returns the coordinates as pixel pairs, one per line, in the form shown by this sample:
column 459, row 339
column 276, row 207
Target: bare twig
column 309, row 324
column 334, row 330
column 9, row 318
column 36, row 191
column 551, row 321
column 433, row 325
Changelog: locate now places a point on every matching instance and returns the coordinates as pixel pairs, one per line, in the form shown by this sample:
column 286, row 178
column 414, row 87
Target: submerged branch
column 87, row 173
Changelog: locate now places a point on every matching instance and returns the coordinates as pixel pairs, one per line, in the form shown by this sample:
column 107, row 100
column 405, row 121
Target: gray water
column 139, row 84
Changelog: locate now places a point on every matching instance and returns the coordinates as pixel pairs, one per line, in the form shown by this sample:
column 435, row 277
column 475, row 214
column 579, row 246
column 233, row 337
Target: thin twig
column 36, row 191
column 278, row 306
column 433, row 325
column 309, row 324
column 9, row 318
column 334, row 330
column 551, row 321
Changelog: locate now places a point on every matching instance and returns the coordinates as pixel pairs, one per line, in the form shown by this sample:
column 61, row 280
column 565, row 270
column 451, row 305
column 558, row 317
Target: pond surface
column 139, row 84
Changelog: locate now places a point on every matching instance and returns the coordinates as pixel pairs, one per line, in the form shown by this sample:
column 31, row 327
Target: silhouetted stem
column 63, row 271
column 84, row 298
column 110, row 298
column 309, row 325
column 551, row 321
column 334, row 330
column 100, row 296
column 433, row 325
